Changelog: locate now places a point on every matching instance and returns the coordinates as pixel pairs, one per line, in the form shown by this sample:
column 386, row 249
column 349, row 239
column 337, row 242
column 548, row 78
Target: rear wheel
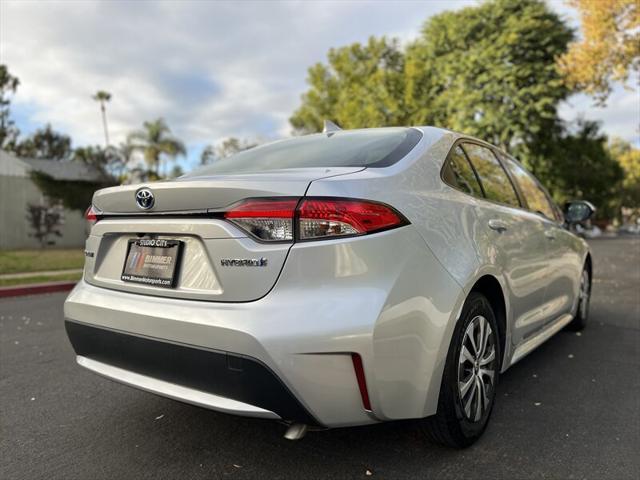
column 469, row 379
column 579, row 322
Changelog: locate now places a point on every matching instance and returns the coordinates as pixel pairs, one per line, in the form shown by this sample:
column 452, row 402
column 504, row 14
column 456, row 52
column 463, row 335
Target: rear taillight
column 267, row 219
column 318, row 218
column 322, row 218
column 92, row 215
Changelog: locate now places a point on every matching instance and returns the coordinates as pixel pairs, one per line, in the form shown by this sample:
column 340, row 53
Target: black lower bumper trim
column 225, row 374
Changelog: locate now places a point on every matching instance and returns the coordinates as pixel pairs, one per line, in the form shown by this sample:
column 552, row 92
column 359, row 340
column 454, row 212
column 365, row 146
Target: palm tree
column 103, row 97
column 155, row 141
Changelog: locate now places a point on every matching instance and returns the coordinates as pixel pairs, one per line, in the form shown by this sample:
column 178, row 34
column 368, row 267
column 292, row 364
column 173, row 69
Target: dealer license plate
column 152, row 261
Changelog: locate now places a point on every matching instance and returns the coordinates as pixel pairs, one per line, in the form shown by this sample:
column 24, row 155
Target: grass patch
column 12, row 282
column 19, row 261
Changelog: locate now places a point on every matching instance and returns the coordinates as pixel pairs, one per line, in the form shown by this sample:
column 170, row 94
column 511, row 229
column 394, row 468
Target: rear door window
column 459, row 174
column 535, row 196
column 496, row 184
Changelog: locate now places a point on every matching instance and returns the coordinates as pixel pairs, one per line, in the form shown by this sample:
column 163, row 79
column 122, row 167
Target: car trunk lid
column 218, row 261
column 201, row 194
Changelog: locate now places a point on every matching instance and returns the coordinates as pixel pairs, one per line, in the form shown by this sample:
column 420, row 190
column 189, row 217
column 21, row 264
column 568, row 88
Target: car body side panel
column 519, row 254
column 454, row 228
column 403, row 338
column 566, row 258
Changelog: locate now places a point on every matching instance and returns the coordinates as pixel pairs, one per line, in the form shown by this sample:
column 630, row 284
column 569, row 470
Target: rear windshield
column 379, row 147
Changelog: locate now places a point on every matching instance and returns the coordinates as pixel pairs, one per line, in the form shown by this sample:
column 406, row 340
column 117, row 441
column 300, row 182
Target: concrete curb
column 36, row 288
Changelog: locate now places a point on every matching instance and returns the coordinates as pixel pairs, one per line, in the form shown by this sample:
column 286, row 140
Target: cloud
column 211, row 69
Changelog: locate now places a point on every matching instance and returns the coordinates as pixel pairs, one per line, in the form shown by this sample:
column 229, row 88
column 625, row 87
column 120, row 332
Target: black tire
column 579, row 322
column 452, row 425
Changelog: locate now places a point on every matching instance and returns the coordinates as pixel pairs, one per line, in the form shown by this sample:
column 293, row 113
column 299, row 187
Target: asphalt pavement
column 571, row 409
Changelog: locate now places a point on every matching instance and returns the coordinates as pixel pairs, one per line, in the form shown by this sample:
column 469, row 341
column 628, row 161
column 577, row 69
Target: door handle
column 497, row 225
column 550, row 234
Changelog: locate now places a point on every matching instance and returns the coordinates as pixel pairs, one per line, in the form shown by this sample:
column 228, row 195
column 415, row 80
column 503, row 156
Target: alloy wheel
column 477, row 368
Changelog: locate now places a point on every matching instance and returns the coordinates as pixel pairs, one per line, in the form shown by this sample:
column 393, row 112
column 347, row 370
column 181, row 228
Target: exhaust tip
column 296, row 431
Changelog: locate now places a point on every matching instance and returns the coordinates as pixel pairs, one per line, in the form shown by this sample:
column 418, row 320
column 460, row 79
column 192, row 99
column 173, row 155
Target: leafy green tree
column 93, row 156
column 46, row 144
column 8, row 131
column 156, row 143
column 362, row 86
column 120, row 159
column 228, row 147
column 587, row 169
column 490, row 71
column 176, row 171
column 110, row 161
column 628, row 157
column 208, row 155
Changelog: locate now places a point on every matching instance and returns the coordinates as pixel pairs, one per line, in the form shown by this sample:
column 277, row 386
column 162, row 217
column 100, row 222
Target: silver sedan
column 330, row 280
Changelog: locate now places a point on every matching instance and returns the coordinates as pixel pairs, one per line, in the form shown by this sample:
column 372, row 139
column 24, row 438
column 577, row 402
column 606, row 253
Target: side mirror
column 578, row 211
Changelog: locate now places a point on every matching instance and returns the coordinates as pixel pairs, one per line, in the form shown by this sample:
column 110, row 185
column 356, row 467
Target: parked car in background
column 330, row 280
column 590, row 231
column 630, row 229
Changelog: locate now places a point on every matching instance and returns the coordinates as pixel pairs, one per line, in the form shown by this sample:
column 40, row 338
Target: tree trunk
column 104, row 124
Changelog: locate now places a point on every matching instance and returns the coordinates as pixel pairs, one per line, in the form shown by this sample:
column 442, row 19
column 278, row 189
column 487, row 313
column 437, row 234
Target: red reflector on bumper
column 362, row 381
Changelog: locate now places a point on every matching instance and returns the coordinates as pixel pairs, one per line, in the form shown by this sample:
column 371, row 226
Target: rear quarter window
column 496, row 184
column 459, row 174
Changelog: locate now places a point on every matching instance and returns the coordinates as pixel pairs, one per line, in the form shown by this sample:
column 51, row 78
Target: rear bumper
column 332, row 299
column 218, row 380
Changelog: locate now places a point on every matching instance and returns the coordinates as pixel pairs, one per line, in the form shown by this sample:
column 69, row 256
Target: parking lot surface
column 571, row 409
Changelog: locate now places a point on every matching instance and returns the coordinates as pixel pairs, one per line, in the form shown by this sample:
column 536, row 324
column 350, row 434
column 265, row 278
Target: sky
column 211, row 69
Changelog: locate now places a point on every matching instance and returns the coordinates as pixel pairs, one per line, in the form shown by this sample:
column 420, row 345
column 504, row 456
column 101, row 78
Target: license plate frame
column 154, row 262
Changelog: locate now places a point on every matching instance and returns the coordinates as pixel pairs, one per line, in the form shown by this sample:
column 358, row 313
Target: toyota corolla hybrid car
column 337, row 279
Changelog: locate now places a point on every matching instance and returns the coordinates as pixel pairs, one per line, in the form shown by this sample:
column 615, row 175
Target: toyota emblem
column 145, row 199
